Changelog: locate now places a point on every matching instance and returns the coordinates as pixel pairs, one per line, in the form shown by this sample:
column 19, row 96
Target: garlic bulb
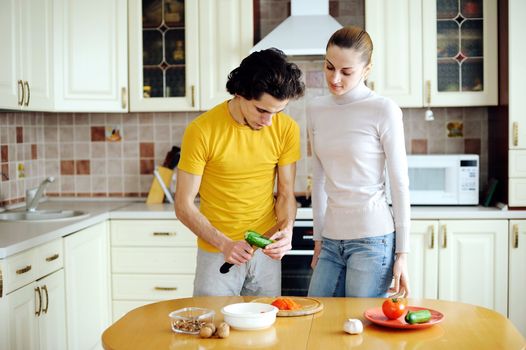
column 353, row 326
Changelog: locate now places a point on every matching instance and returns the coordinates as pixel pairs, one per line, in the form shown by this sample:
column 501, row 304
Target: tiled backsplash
column 113, row 155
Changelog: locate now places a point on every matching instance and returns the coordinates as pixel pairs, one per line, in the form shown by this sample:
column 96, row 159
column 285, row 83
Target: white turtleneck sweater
column 354, row 136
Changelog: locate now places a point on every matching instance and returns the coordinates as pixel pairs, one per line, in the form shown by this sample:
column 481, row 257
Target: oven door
column 295, row 265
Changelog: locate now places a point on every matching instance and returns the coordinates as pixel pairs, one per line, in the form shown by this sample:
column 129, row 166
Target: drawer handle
column 23, row 270
column 165, row 288
column 52, row 257
column 164, row 233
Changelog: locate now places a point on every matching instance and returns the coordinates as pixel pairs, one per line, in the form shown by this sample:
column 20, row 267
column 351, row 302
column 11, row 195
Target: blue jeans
column 354, row 268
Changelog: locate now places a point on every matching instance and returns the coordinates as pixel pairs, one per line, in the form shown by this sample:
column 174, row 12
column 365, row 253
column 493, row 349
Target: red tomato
column 393, row 308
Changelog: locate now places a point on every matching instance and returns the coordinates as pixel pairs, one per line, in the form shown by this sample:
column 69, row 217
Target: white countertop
column 18, row 236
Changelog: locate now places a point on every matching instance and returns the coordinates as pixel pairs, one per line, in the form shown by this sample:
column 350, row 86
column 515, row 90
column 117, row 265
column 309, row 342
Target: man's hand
column 237, row 252
column 282, row 244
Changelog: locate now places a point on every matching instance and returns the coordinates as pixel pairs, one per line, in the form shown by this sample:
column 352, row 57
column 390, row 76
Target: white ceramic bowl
column 250, row 316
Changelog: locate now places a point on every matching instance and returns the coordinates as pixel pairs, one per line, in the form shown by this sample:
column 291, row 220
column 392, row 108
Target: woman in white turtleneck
column 361, row 245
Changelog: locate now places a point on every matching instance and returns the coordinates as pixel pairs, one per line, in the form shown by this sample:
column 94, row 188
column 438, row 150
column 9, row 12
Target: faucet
column 33, row 195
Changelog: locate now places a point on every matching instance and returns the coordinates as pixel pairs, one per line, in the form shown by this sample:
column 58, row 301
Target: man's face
column 259, row 113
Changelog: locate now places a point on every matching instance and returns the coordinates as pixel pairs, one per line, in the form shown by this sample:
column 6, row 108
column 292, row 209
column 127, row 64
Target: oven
column 295, row 265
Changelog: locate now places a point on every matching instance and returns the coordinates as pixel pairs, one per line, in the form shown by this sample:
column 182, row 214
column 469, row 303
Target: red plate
column 376, row 316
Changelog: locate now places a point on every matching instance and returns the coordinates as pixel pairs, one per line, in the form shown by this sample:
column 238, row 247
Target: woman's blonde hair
column 352, row 37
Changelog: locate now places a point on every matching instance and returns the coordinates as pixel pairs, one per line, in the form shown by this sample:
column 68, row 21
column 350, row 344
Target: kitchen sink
column 42, row 215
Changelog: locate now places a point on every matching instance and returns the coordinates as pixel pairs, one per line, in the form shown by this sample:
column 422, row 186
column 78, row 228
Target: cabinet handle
column 28, row 96
column 23, row 270
column 165, row 233
column 428, row 85
column 21, row 93
column 37, row 291
column 444, row 236
column 165, row 288
column 1, row 284
column 431, row 229
column 124, row 98
column 52, row 257
column 193, row 95
column 515, row 133
column 515, row 236
column 44, row 310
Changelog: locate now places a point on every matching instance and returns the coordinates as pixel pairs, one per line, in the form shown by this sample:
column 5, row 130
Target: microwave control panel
column 469, row 176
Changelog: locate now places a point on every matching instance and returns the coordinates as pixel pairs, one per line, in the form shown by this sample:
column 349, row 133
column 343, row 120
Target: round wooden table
column 464, row 327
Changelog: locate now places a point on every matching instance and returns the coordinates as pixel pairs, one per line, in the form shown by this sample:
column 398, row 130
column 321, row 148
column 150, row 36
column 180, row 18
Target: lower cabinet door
column 88, row 302
column 52, row 319
column 22, row 325
column 517, row 302
column 473, row 259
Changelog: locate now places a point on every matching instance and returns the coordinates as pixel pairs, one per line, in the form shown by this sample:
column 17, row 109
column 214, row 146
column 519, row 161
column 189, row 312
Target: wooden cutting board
column 308, row 306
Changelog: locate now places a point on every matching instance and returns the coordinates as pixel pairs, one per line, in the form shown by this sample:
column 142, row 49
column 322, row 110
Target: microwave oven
column 450, row 179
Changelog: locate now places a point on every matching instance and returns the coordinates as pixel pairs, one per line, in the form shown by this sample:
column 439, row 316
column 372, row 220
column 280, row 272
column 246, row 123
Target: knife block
column 156, row 194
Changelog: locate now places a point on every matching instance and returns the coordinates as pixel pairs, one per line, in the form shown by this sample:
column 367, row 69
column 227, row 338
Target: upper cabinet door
column 225, row 34
column 395, row 28
column 460, row 52
column 10, row 79
column 517, row 72
column 90, row 39
column 37, row 53
column 164, row 55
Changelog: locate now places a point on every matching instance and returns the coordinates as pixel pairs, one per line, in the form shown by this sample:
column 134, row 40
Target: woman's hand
column 400, row 276
column 316, row 255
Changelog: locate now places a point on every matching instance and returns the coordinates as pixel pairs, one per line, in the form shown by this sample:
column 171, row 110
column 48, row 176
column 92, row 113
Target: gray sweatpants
column 260, row 276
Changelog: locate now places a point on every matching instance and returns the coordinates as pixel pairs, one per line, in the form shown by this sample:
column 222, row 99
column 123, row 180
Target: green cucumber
column 255, row 239
column 420, row 316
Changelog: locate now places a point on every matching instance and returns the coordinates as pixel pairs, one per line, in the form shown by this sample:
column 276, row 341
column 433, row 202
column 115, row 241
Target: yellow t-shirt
column 238, row 167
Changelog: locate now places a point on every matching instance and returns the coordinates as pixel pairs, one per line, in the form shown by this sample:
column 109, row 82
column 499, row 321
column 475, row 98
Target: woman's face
column 344, row 69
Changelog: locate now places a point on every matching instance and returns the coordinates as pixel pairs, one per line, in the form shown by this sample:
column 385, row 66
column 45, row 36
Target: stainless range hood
column 305, row 32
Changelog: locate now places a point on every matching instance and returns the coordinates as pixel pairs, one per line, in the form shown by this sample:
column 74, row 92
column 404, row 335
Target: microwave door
column 433, row 185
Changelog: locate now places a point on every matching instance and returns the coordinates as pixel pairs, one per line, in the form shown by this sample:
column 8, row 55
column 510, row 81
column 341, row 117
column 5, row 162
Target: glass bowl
column 189, row 320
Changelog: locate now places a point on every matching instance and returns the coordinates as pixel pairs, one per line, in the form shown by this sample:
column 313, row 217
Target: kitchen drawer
column 50, row 258
column 20, row 269
column 517, row 165
column 122, row 307
column 517, row 192
column 160, row 233
column 152, row 287
column 153, row 260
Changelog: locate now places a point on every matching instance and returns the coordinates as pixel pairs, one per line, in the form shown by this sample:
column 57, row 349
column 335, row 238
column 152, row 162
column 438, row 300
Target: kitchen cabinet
column 180, row 52
column 34, row 312
column 517, row 279
column 517, row 117
column 90, row 55
column 151, row 260
column 88, row 301
column 436, row 53
column 26, row 61
column 460, row 260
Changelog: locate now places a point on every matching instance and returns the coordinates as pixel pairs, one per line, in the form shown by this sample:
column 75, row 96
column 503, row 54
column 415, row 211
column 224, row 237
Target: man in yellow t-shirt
column 231, row 155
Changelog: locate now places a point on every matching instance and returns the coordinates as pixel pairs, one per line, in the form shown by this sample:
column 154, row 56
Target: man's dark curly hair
column 266, row 71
